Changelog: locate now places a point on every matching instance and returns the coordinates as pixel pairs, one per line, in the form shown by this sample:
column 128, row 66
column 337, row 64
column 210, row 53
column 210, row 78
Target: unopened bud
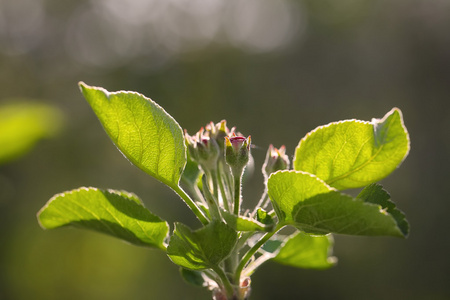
column 218, row 132
column 276, row 159
column 237, row 152
column 203, row 150
column 208, row 151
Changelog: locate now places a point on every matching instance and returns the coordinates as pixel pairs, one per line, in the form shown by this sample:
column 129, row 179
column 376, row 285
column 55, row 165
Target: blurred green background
column 275, row 69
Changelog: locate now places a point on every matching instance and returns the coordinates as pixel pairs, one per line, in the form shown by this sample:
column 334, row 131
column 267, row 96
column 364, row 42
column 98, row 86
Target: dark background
column 276, row 69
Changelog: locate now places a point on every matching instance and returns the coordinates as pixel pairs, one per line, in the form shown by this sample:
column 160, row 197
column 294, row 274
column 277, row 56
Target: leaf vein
column 95, row 216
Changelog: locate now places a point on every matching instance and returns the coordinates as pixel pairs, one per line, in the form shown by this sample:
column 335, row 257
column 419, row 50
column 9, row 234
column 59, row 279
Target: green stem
column 223, row 193
column 195, row 191
column 215, row 185
column 253, row 250
column 192, row 205
column 253, row 265
column 237, row 193
column 226, row 179
column 225, row 281
column 210, row 176
column 213, row 205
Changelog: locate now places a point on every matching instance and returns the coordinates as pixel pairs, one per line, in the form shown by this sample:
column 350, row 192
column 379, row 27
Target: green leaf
column 116, row 213
column 306, row 202
column 375, row 193
column 242, row 223
column 202, row 249
column 263, row 217
column 307, row 251
column 148, row 136
column 353, row 153
column 23, row 124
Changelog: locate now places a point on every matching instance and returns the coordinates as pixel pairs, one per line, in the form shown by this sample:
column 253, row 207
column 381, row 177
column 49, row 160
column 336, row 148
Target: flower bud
column 237, row 152
column 208, row 151
column 218, row 132
column 276, row 159
column 203, row 150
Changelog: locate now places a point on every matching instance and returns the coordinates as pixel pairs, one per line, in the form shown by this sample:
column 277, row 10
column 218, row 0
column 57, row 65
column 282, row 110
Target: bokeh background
column 275, row 69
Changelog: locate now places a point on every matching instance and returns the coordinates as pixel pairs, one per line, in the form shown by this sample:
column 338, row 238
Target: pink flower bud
column 237, row 152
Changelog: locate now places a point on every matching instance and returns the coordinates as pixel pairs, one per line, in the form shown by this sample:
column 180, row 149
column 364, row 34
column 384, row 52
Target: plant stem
column 225, row 281
column 253, row 265
column 215, row 184
column 192, row 205
column 222, row 191
column 212, row 201
column 226, row 179
column 253, row 250
column 237, row 193
column 197, row 195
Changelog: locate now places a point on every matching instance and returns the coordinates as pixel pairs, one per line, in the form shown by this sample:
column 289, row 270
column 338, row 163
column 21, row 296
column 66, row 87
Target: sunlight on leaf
column 353, row 153
column 142, row 130
column 306, row 202
column 241, row 223
column 116, row 213
column 307, row 251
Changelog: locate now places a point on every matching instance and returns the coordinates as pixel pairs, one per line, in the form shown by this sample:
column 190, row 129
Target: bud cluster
column 222, row 155
column 203, row 149
column 210, row 146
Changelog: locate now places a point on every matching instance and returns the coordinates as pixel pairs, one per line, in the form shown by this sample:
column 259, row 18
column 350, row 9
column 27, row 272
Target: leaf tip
column 83, row 86
column 394, row 111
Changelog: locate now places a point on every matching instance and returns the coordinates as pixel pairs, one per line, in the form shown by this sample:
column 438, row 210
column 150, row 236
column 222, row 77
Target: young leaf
column 264, row 217
column 306, row 202
column 116, row 213
column 352, row 153
column 148, row 136
column 202, row 249
column 307, row 251
column 241, row 223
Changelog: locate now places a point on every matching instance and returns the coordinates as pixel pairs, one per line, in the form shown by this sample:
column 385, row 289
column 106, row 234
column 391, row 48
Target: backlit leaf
column 307, row 251
column 241, row 223
column 306, row 202
column 375, row 193
column 353, row 153
column 116, row 213
column 202, row 249
column 142, row 130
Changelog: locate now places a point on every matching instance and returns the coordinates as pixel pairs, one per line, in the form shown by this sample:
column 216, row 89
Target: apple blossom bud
column 276, row 159
column 203, row 150
column 237, row 152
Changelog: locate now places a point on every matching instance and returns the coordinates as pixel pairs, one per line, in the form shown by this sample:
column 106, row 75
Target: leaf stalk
column 191, row 204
